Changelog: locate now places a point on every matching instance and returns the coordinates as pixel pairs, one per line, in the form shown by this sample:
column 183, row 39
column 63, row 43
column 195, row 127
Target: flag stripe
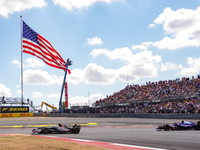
column 52, row 53
column 35, row 52
column 45, row 60
column 31, row 48
column 36, row 45
column 50, row 46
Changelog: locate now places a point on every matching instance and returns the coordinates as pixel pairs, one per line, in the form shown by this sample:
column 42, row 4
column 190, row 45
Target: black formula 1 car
column 57, row 129
column 183, row 125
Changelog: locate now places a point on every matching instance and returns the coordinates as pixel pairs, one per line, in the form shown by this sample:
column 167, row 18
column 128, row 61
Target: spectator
column 158, row 90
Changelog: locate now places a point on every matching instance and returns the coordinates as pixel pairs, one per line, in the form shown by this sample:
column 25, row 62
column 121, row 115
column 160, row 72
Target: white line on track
column 123, row 145
column 83, row 140
column 135, row 146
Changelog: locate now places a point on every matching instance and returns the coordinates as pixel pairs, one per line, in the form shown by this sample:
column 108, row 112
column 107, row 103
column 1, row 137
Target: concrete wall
column 160, row 116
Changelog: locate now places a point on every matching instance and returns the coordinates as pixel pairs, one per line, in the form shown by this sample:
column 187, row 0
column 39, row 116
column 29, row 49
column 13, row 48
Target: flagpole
column 21, row 65
column 69, row 62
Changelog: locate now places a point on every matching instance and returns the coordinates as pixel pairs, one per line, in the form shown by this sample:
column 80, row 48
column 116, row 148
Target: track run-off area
column 109, row 133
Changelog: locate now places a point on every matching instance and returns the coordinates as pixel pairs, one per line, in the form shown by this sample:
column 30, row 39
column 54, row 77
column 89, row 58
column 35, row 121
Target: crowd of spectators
column 186, row 106
column 187, row 88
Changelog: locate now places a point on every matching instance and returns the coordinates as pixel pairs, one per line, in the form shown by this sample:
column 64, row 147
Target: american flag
column 35, row 44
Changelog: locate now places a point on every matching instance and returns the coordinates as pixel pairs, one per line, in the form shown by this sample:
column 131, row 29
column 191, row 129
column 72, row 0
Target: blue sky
column 112, row 43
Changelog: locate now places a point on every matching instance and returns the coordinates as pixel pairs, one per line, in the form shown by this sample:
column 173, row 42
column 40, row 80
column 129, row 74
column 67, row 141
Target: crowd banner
column 14, row 109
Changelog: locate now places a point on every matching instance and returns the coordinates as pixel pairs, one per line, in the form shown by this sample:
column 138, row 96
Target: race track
column 128, row 131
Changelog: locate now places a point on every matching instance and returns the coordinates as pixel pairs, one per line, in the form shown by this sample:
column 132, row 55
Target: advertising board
column 14, row 109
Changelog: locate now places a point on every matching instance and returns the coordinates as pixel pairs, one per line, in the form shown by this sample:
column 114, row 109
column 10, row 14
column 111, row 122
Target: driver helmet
column 60, row 125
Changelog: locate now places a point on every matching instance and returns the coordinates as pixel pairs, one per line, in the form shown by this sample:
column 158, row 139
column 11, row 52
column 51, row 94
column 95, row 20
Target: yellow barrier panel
column 16, row 115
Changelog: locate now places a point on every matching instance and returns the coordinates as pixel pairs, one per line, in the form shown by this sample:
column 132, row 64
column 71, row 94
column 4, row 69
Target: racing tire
column 197, row 127
column 45, row 130
column 76, row 130
column 198, row 123
column 167, row 127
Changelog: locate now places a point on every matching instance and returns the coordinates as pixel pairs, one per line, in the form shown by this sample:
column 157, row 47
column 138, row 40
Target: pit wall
column 159, row 116
column 5, row 115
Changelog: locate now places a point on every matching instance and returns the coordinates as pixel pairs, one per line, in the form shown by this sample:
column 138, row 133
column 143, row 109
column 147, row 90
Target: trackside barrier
column 130, row 115
column 5, row 115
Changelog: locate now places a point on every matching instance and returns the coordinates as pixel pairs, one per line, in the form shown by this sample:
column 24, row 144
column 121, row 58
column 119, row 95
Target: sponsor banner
column 25, row 115
column 14, row 109
column 5, row 115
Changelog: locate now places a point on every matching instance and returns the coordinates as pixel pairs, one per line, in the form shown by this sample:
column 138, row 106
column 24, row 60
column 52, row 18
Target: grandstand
column 172, row 96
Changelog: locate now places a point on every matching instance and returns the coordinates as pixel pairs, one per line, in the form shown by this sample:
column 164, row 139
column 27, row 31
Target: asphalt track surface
column 123, row 133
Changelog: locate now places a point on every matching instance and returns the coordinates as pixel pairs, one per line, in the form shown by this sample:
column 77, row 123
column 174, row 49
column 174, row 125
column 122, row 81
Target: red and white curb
column 112, row 146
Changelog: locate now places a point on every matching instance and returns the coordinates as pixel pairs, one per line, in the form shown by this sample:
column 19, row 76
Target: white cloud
column 10, row 6
column 176, row 43
column 186, row 72
column 82, row 101
column 5, row 91
column 75, row 77
column 19, row 92
column 139, row 65
column 139, row 47
column 33, row 63
column 152, row 25
column 53, row 95
column 170, row 66
column 124, row 54
column 94, row 97
column 78, row 100
column 133, row 72
column 181, row 29
column 142, row 65
column 29, row 63
column 39, row 77
column 193, row 69
column 94, row 41
column 78, row 4
column 74, row 101
column 194, row 62
column 16, row 62
column 36, row 94
column 94, row 74
column 181, row 26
